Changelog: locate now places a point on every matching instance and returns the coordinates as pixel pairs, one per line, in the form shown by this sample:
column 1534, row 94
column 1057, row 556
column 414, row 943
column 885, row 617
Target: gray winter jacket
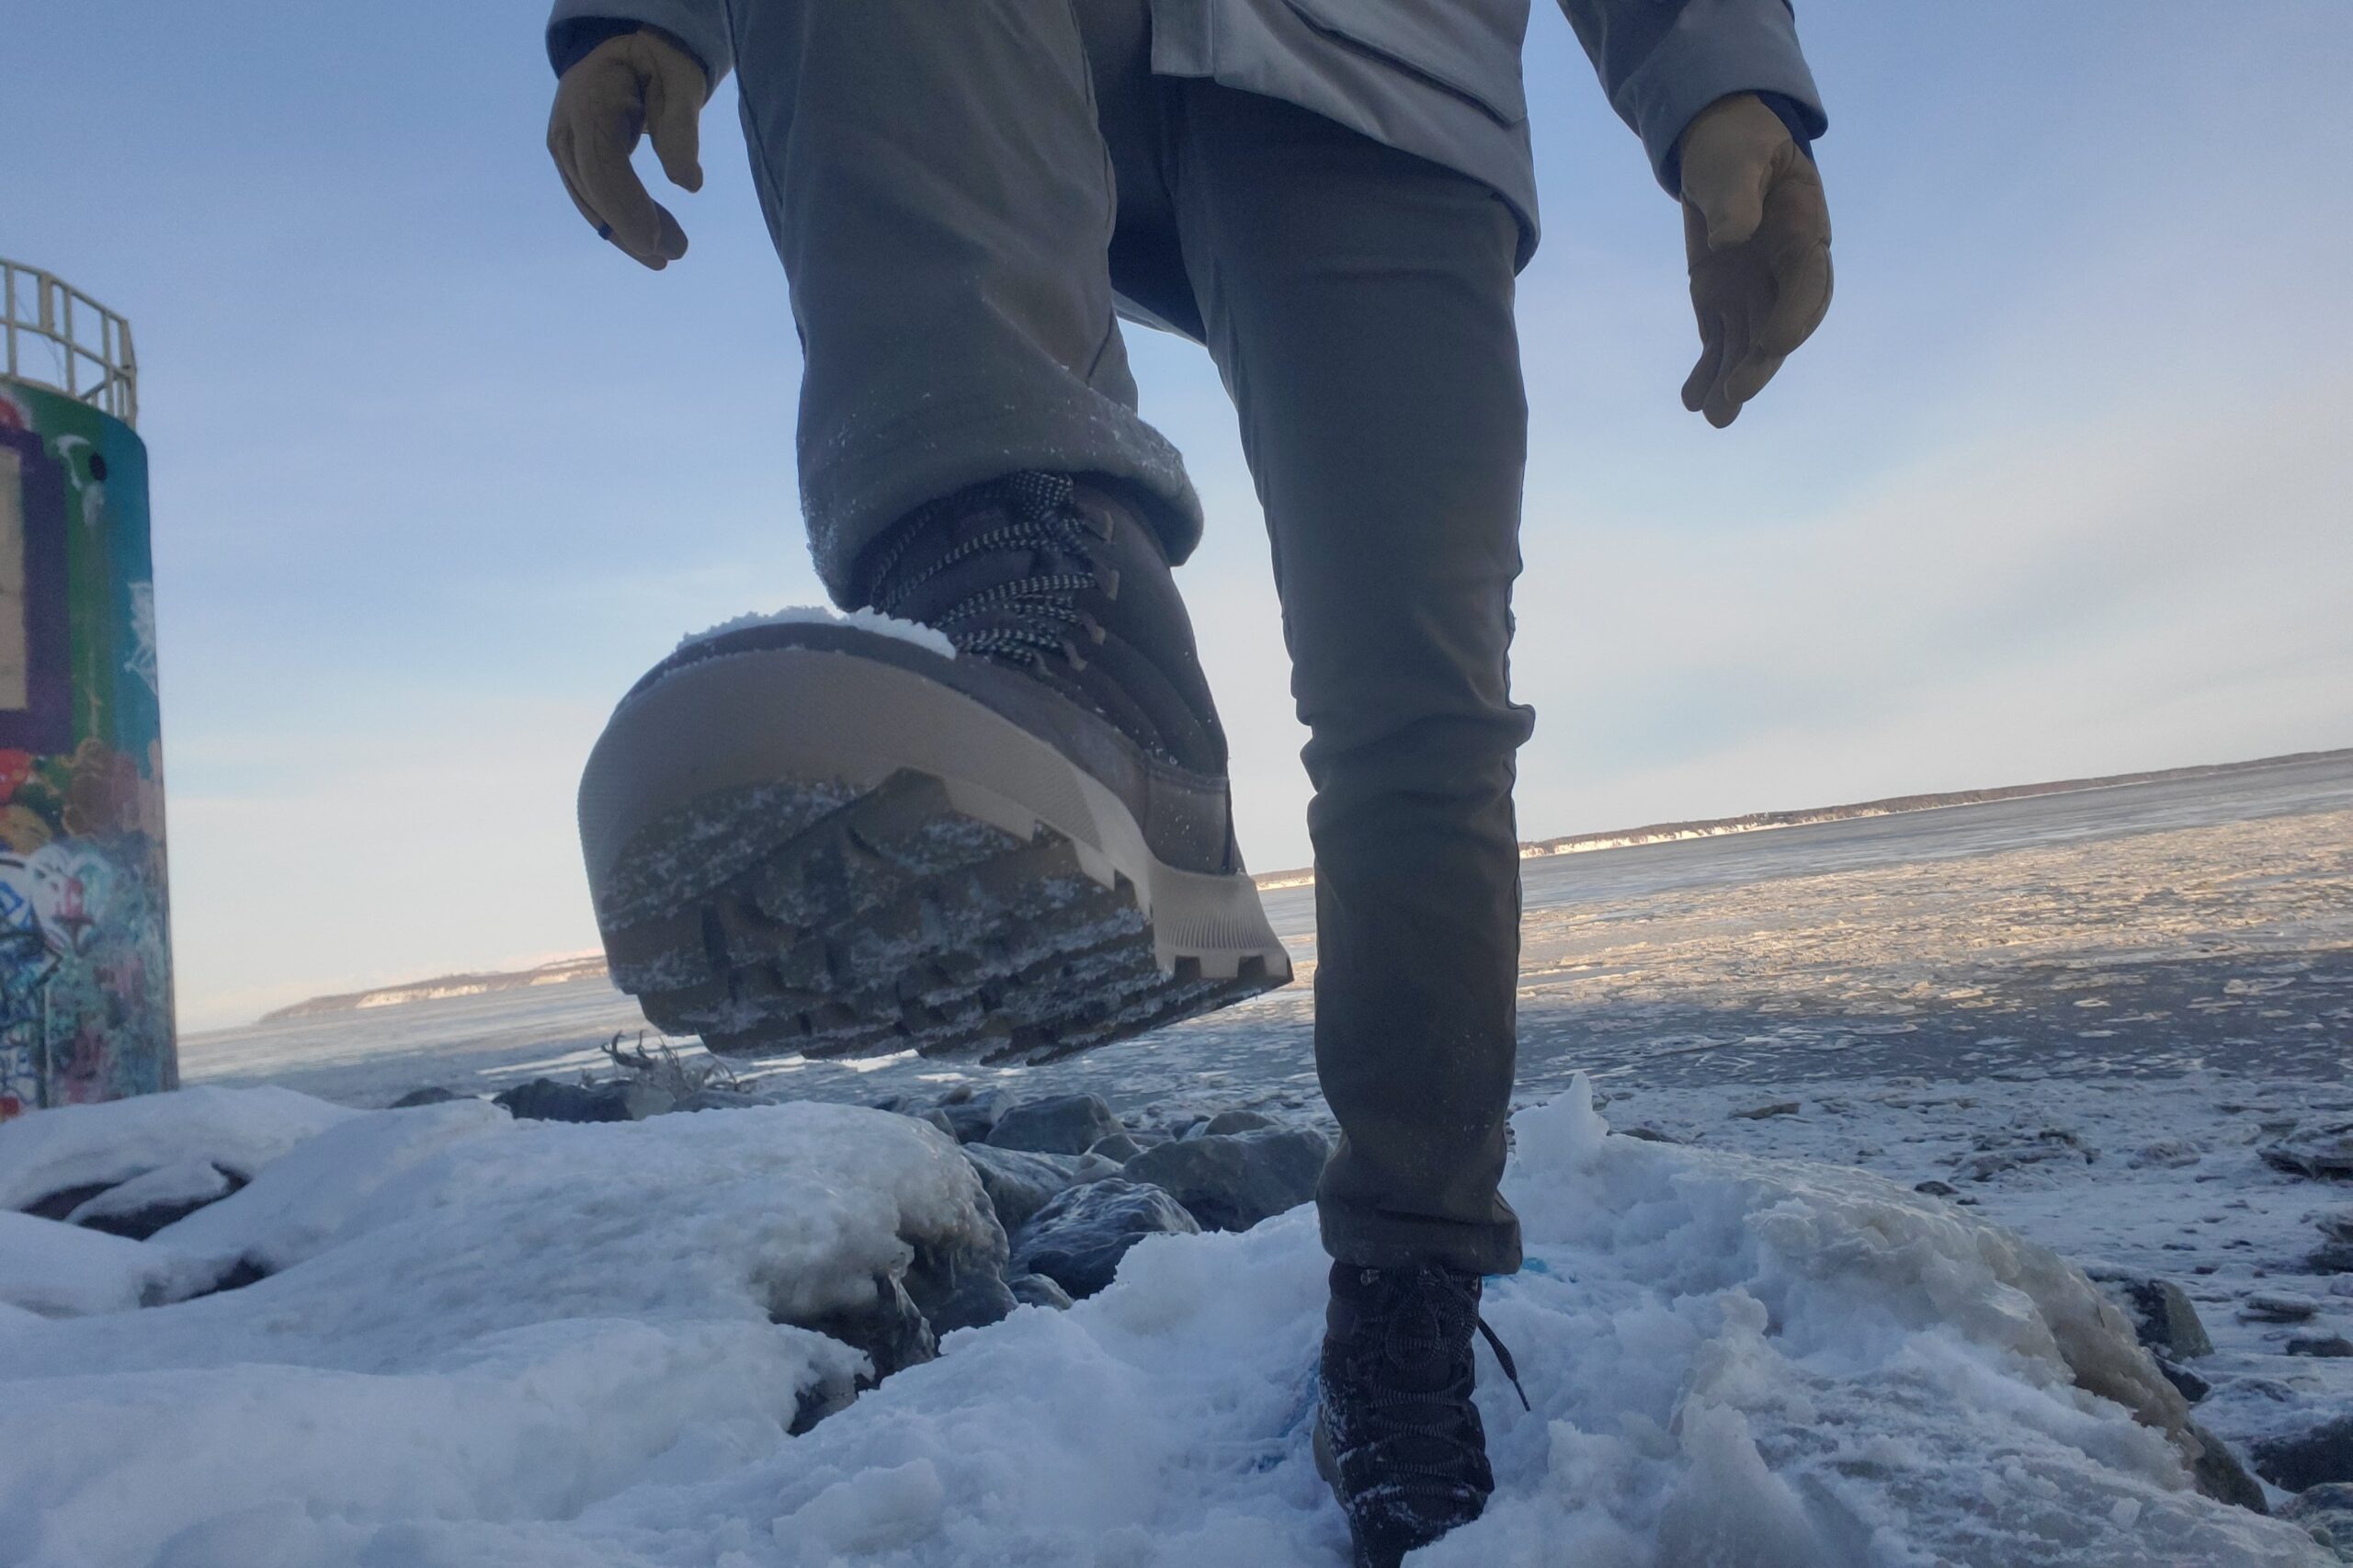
column 1439, row 78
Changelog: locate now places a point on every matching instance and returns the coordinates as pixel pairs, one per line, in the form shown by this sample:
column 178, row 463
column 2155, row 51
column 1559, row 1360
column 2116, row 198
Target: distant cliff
column 586, row 966
column 591, row 966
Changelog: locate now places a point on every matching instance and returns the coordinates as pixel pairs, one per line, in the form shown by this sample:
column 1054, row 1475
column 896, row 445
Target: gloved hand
column 1756, row 229
column 638, row 82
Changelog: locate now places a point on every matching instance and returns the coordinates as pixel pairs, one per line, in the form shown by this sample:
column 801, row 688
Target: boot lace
column 1021, row 620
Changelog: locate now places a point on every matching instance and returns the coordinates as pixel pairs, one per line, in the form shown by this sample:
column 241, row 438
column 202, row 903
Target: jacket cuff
column 579, row 26
column 1716, row 48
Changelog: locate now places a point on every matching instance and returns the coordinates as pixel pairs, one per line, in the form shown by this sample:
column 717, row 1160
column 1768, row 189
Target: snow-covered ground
column 530, row 1343
column 490, row 1342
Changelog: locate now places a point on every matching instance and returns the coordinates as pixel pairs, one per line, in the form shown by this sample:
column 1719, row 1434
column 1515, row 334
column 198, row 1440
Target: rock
column 890, row 1330
column 2333, row 1257
column 1231, row 1181
column 938, row 1118
column 2301, row 1461
column 1119, row 1146
column 2219, row 1476
column 1037, row 1290
column 144, row 1205
column 2163, row 1318
column 1759, row 1113
column 1078, row 1239
column 2337, row 1224
column 2321, row 1346
column 1066, row 1124
column 2166, row 1153
column 432, row 1094
column 2279, row 1306
column 975, row 1113
column 2323, row 1153
column 1647, row 1133
column 1231, row 1122
column 1936, row 1189
column 1020, row 1184
column 2187, row 1383
column 1095, row 1167
column 2327, row 1510
column 546, row 1099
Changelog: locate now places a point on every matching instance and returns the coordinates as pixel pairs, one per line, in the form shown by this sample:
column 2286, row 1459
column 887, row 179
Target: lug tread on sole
column 896, row 922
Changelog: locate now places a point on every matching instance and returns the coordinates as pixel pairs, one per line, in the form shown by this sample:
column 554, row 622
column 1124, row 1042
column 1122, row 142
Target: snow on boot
column 1396, row 1436
column 1002, row 831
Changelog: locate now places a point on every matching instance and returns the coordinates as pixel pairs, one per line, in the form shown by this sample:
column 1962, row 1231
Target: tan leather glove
column 1756, row 229
column 637, row 83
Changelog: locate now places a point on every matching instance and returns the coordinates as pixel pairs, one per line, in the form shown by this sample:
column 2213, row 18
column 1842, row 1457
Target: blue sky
column 2061, row 487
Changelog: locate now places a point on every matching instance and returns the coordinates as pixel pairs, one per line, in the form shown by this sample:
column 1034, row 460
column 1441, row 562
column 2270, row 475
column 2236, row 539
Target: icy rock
column 973, row 1113
column 938, row 1118
column 2193, row 1387
column 145, row 1204
column 2297, row 1462
column 1778, row 1107
column 1230, row 1121
column 1934, row 1188
column 2166, row 1153
column 431, row 1094
column 1066, row 1124
column 1647, row 1133
column 1020, row 1184
column 2332, row 1257
column 1120, row 1147
column 2162, row 1317
column 1093, row 1166
column 2321, row 1153
column 1231, row 1181
column 1078, row 1239
column 88, row 1148
column 2337, row 1224
column 2321, row 1346
column 547, row 1099
column 53, row 1270
column 2328, row 1506
column 1037, row 1290
column 2220, row 1474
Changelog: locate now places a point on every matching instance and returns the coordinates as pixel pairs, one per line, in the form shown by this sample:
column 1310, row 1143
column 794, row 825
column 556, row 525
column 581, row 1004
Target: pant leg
column 1358, row 301
column 938, row 187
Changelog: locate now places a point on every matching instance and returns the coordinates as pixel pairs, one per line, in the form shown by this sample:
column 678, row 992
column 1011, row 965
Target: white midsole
column 800, row 713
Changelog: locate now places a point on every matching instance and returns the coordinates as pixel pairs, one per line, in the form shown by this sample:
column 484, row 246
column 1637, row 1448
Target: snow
column 238, row 1130
column 50, row 1269
column 513, row 1342
column 882, row 625
column 188, row 1181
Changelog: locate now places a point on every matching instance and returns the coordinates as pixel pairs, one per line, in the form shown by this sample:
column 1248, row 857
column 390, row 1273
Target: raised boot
column 995, row 824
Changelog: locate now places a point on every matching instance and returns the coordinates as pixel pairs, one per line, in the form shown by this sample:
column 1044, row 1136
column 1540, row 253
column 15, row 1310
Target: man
column 1004, row 828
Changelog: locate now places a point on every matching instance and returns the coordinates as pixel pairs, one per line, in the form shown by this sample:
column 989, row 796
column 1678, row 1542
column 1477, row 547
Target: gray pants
column 954, row 190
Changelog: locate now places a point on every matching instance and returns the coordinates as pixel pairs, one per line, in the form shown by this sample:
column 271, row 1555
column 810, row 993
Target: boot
column 989, row 817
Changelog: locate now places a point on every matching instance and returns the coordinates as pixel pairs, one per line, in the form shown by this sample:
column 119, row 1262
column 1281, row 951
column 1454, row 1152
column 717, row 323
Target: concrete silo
column 85, row 974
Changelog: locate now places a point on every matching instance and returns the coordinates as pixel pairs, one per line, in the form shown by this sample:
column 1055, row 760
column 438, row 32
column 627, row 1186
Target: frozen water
column 545, row 1344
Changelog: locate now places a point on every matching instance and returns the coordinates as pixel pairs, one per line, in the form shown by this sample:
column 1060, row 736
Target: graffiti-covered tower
column 85, row 973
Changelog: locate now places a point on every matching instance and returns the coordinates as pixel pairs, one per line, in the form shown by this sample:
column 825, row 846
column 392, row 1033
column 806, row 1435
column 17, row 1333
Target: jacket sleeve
column 1664, row 61
column 699, row 26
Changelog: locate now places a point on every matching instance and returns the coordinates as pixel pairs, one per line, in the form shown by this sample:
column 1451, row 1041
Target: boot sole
column 803, row 851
